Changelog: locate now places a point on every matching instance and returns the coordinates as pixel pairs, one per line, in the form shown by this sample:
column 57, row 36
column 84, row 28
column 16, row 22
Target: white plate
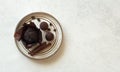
column 56, row 42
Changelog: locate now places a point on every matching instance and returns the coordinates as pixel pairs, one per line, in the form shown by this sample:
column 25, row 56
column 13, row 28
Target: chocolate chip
column 44, row 26
column 49, row 36
column 55, row 30
column 38, row 19
column 33, row 17
column 50, row 24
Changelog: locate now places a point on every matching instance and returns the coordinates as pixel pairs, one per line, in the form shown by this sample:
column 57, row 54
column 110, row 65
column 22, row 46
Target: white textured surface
column 91, row 35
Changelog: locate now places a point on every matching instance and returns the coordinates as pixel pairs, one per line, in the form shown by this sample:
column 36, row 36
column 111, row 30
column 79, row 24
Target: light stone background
column 91, row 36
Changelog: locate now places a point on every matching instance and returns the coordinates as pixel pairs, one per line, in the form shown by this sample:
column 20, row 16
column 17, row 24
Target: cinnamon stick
column 39, row 48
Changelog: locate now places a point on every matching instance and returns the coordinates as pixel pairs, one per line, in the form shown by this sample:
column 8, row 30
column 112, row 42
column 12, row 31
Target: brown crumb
column 55, row 30
column 51, row 24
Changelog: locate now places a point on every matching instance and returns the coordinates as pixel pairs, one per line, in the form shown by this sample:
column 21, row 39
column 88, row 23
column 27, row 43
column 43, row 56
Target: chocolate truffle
column 49, row 36
column 44, row 26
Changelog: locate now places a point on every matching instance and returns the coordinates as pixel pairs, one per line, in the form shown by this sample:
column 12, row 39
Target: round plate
column 56, row 29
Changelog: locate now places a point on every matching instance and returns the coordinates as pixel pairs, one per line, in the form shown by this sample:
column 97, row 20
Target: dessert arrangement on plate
column 38, row 35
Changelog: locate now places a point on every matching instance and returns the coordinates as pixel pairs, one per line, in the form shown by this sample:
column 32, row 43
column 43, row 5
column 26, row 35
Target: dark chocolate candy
column 44, row 26
column 49, row 36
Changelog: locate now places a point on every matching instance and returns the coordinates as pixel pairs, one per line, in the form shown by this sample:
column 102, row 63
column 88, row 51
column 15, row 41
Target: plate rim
column 59, row 26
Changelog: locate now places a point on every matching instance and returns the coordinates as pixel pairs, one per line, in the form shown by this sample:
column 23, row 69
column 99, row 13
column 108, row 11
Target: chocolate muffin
column 31, row 34
column 44, row 26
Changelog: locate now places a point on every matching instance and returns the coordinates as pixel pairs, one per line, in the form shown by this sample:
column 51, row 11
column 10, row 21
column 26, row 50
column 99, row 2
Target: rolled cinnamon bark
column 39, row 48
